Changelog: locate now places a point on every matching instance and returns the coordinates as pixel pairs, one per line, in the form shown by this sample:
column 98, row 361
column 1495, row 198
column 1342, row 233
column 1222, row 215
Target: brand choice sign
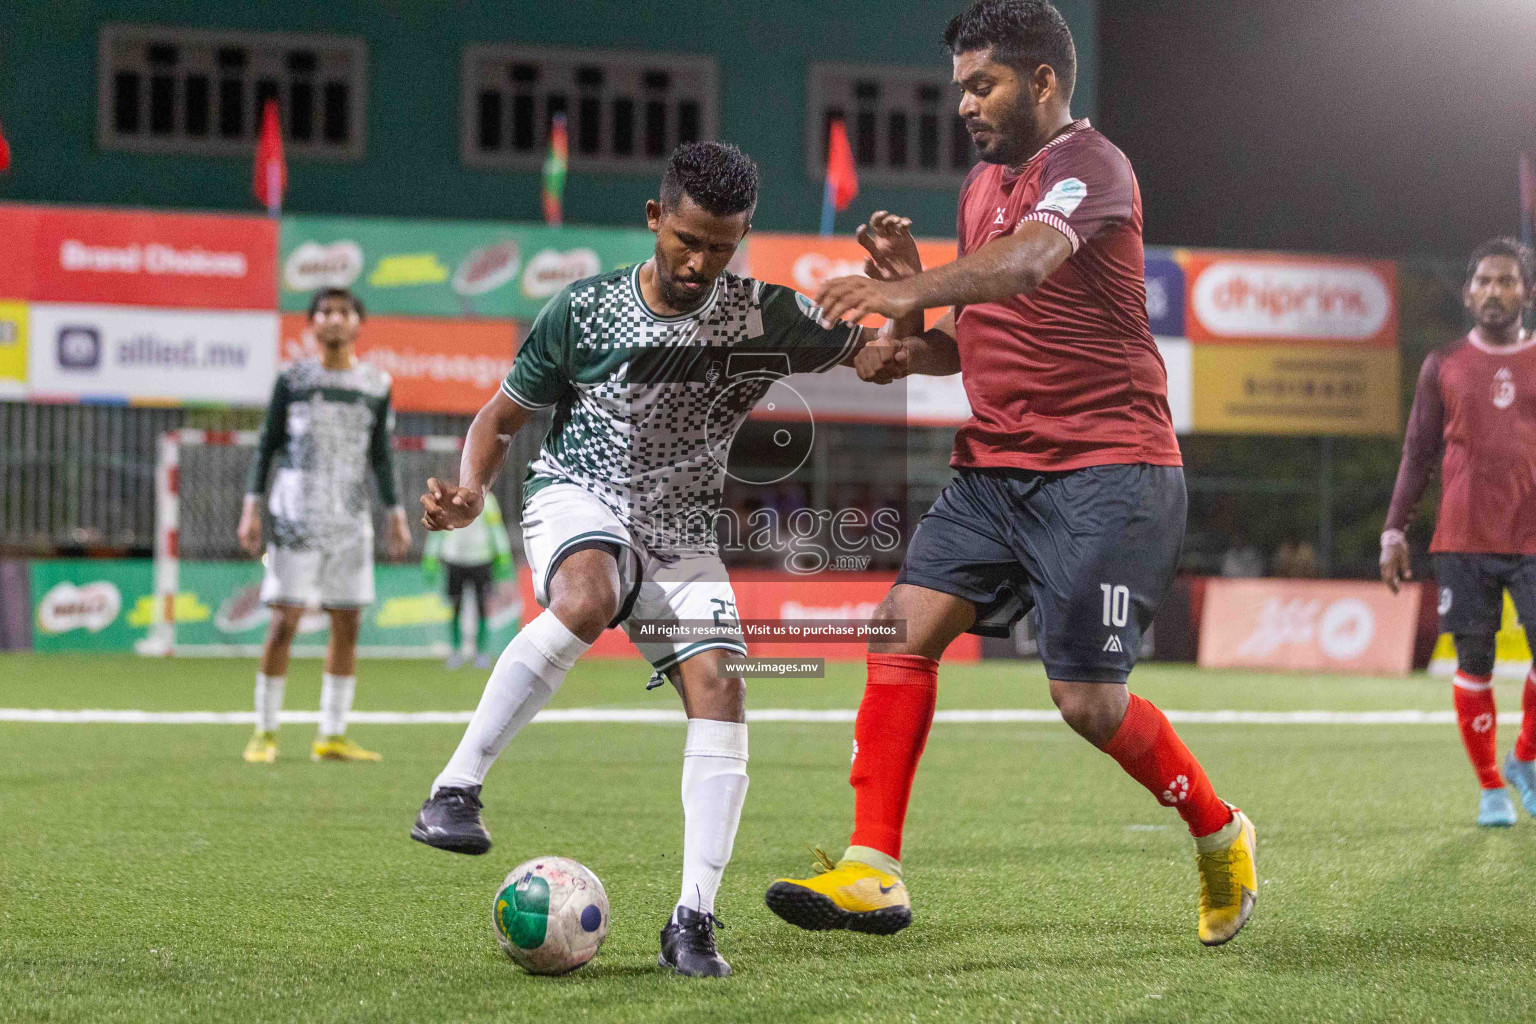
column 152, row 259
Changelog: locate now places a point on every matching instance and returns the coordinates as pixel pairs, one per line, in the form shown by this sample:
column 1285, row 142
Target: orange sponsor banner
column 437, row 365
column 1308, row 625
column 806, row 262
column 1268, row 298
column 768, row 596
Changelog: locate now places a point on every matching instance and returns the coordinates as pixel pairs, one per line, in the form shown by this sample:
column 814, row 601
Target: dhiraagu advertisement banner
column 446, row 268
column 108, row 605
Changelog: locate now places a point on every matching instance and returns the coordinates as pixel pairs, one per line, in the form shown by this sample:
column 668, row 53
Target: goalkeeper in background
column 474, row 555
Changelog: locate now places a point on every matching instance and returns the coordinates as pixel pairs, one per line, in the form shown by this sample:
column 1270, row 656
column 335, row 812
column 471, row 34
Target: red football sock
column 1152, row 753
column 1477, row 719
column 888, row 739
column 1525, row 746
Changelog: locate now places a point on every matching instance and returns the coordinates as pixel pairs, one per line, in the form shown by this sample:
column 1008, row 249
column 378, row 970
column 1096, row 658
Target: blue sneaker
column 1522, row 775
column 1497, row 810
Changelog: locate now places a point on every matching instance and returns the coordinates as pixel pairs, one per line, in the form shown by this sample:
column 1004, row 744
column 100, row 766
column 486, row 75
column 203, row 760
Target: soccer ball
column 550, row 915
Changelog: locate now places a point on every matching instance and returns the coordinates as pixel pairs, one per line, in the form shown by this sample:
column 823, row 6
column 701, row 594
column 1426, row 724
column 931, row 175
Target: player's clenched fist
column 449, row 507
column 883, row 360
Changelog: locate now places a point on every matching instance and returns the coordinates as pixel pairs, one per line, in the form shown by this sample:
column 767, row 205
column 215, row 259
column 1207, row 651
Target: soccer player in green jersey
column 328, row 426
column 650, row 371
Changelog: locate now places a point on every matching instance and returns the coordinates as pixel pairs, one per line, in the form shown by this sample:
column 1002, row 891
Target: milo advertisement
column 87, row 604
column 456, row 269
column 109, row 605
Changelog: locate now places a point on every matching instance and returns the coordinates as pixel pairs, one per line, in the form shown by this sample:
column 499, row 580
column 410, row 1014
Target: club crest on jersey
column 1503, row 389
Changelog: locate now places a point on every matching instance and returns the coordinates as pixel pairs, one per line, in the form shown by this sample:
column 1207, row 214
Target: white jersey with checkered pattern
column 646, row 406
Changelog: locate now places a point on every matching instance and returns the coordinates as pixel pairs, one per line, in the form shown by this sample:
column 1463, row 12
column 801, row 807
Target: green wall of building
column 763, row 50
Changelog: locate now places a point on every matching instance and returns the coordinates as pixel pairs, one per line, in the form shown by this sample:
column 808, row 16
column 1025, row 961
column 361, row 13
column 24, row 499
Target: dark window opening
column 522, row 122
column 589, row 125
column 231, row 108
column 490, row 119
column 301, row 111
column 864, row 137
column 162, row 104
column 689, row 121
column 655, row 128
column 195, row 96
column 125, row 103
column 338, row 115
column 896, row 139
column 623, row 127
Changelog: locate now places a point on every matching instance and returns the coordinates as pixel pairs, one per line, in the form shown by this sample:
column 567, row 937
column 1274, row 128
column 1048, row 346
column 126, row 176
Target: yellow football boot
column 848, row 894
column 339, row 748
column 1229, row 879
column 262, row 749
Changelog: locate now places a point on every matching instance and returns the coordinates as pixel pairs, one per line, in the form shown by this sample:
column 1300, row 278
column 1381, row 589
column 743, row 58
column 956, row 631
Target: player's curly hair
column 1022, row 34
column 336, row 293
column 719, row 177
column 1506, row 246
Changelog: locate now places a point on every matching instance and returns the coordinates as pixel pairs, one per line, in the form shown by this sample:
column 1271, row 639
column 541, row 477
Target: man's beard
column 1497, row 317
column 677, row 297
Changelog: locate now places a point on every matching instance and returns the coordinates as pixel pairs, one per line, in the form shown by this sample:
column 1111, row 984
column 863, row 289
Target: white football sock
column 269, row 701
column 714, row 788
column 526, row 676
column 335, row 703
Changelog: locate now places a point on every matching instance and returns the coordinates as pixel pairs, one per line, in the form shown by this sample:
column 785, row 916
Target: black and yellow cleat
column 848, row 894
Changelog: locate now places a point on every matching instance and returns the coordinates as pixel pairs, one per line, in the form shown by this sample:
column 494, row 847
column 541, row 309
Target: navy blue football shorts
column 1092, row 550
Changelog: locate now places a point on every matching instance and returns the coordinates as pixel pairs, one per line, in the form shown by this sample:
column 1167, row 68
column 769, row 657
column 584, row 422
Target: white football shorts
column 655, row 588
column 338, row 575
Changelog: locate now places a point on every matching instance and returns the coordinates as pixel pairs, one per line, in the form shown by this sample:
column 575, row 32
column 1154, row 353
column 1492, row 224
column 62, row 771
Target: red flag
column 842, row 178
column 271, row 177
column 5, row 152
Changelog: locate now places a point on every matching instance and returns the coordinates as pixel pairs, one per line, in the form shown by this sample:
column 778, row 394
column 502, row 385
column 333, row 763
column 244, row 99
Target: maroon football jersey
column 1475, row 413
column 1067, row 376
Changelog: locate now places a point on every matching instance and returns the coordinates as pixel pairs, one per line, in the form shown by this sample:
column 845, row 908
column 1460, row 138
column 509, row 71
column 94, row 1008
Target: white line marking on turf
column 643, row 716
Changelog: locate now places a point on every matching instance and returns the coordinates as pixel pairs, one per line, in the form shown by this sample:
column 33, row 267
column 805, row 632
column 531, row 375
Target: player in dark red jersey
column 1474, row 414
column 1069, row 496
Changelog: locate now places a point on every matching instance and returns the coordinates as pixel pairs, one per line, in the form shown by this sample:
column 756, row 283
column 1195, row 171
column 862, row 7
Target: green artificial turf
column 147, row 874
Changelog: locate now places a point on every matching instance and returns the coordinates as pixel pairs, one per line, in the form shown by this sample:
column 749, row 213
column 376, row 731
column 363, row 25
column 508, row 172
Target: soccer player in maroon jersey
column 1474, row 414
column 1069, row 495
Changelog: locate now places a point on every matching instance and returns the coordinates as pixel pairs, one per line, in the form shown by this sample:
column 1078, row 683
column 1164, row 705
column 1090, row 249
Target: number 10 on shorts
column 1117, row 604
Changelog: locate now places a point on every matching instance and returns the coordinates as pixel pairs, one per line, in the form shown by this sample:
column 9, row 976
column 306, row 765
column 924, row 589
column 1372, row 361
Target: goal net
column 207, row 590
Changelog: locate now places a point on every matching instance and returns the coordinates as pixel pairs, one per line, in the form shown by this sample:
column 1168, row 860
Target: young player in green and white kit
column 651, row 370
column 473, row 557
column 328, row 426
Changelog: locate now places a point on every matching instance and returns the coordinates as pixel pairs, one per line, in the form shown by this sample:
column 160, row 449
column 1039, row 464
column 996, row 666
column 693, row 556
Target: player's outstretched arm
column 1014, row 264
column 447, row 507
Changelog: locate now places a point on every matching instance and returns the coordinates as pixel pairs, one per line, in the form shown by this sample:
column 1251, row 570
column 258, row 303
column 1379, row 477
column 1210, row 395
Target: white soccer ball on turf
column 550, row 915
